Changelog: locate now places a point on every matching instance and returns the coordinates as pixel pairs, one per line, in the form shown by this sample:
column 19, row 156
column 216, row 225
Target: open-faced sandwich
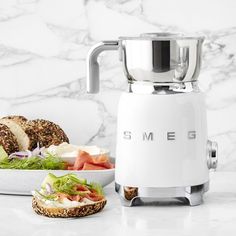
column 68, row 196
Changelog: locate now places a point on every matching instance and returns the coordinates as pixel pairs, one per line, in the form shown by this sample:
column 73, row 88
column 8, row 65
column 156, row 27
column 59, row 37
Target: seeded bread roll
column 18, row 119
column 85, row 210
column 8, row 140
column 24, row 132
column 48, row 132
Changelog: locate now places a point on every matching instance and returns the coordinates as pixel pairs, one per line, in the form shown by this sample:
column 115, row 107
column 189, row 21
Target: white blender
column 162, row 148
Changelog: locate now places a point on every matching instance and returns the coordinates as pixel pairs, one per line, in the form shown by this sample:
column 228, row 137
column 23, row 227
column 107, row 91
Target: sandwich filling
column 68, row 191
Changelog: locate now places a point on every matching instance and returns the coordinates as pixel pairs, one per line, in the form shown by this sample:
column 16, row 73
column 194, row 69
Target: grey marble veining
column 43, row 47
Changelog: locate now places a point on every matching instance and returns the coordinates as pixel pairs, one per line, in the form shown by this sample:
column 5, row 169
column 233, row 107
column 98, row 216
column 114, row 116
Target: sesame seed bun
column 85, row 210
column 48, row 132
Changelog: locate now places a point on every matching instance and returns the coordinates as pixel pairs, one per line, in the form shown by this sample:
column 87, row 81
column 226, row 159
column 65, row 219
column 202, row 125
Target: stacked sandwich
column 17, row 133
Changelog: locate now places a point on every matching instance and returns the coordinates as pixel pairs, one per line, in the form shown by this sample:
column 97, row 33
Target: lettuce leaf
column 97, row 187
column 49, row 162
column 50, row 197
column 67, row 183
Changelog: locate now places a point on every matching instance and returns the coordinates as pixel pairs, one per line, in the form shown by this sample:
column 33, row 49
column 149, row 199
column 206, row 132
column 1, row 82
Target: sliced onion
column 21, row 154
column 26, row 154
column 48, row 188
column 41, row 156
column 38, row 151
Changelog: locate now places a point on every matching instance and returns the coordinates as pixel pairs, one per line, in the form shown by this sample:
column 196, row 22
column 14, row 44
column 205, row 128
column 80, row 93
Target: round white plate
column 24, row 181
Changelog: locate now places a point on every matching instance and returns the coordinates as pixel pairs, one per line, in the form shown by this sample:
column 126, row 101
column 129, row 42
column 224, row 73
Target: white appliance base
column 133, row 196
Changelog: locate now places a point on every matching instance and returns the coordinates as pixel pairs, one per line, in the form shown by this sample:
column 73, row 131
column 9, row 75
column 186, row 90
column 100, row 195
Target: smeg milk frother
column 162, row 147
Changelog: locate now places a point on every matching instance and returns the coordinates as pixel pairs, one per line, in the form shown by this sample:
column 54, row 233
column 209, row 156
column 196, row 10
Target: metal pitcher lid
column 161, row 57
column 164, row 36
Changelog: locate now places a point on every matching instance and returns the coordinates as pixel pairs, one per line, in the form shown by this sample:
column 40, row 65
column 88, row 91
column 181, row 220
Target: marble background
column 43, row 46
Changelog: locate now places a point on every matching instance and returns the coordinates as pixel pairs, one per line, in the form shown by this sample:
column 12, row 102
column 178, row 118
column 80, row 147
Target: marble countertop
column 217, row 216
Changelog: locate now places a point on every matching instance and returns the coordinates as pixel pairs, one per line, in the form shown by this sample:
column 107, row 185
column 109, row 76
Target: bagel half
column 48, row 132
column 24, row 132
column 18, row 119
column 8, row 140
column 54, row 212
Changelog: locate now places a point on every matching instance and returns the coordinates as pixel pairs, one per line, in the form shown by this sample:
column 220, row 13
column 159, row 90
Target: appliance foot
column 195, row 199
column 136, row 201
column 194, row 194
column 136, row 196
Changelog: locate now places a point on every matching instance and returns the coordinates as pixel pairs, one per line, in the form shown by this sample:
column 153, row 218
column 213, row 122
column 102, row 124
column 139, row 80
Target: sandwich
column 67, row 196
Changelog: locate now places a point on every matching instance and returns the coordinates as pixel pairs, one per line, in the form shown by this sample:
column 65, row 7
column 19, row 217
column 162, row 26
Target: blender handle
column 93, row 66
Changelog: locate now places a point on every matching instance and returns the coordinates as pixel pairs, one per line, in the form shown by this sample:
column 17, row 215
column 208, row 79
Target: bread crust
column 26, row 127
column 39, row 131
column 54, row 212
column 48, row 132
column 8, row 140
column 18, row 119
column 33, row 137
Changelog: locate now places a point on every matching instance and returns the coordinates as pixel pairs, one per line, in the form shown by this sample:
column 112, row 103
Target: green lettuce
column 49, row 162
column 67, row 183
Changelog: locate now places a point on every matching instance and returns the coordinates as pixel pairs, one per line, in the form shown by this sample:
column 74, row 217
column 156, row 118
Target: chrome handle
column 93, row 66
column 212, row 149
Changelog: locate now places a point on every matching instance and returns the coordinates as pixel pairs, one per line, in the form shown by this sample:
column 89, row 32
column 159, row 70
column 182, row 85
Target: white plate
column 24, row 181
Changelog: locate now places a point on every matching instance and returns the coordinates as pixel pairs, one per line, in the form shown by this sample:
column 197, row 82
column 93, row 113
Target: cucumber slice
column 49, row 179
column 3, row 154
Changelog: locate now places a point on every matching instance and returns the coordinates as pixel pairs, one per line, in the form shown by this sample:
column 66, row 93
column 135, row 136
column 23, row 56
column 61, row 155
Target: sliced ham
column 61, row 196
column 76, row 198
column 94, row 197
column 88, row 166
column 102, row 161
column 84, row 161
column 82, row 158
column 80, row 187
